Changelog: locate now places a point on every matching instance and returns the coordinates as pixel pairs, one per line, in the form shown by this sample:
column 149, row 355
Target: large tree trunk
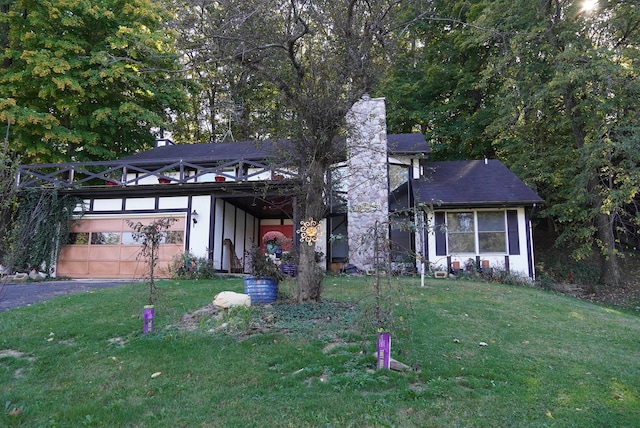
column 610, row 274
column 310, row 276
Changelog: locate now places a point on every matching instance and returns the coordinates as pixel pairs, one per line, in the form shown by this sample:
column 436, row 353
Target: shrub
column 188, row 266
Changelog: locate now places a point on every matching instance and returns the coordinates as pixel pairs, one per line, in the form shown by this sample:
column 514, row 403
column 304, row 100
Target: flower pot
column 164, row 180
column 220, row 178
column 288, row 269
column 261, row 289
column 111, row 183
column 148, row 318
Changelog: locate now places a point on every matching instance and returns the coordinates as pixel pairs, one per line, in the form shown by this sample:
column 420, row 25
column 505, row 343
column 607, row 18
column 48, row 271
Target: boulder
column 228, row 299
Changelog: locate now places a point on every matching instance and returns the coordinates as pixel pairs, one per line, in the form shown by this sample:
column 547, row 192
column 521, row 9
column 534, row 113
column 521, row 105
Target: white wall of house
column 519, row 264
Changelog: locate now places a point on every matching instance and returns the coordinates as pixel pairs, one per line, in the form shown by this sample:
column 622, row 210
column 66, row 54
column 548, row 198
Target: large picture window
column 476, row 232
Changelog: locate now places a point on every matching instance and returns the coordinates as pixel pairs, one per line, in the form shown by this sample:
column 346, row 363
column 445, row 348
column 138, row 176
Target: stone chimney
column 367, row 180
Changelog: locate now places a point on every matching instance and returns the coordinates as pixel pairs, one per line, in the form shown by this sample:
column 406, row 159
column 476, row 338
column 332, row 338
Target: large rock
column 228, row 299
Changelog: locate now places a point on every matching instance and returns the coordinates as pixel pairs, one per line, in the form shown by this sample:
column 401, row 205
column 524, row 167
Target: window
column 105, row 238
column 461, row 231
column 476, row 232
column 79, row 238
column 491, row 232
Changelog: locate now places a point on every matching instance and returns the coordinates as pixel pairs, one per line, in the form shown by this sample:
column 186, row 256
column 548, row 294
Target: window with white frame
column 477, row 232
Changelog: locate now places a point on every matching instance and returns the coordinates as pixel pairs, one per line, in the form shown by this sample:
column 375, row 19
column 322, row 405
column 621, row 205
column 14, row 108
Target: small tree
column 320, row 57
column 150, row 236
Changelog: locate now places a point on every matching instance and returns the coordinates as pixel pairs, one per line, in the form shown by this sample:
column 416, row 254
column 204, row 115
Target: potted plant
column 288, row 263
column 265, row 274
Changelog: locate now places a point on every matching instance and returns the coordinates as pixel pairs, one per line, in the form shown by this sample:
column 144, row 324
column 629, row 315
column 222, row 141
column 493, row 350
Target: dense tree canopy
column 547, row 86
column 83, row 79
column 317, row 56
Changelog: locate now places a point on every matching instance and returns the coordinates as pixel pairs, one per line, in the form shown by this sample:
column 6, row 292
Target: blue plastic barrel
column 261, row 289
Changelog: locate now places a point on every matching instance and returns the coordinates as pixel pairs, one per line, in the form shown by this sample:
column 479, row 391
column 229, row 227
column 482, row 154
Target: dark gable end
column 460, row 184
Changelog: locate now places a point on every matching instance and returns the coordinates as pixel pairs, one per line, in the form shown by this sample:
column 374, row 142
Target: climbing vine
column 40, row 227
column 7, row 203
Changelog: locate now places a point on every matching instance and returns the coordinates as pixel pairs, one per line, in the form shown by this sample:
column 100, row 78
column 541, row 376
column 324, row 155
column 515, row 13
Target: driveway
column 27, row 293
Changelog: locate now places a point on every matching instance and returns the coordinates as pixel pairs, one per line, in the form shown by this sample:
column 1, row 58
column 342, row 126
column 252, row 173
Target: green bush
column 188, row 266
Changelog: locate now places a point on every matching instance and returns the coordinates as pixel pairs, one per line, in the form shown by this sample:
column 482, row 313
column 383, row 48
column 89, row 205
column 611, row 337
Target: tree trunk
column 310, row 276
column 610, row 274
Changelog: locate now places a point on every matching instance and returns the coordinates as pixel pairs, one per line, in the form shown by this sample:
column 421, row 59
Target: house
column 225, row 196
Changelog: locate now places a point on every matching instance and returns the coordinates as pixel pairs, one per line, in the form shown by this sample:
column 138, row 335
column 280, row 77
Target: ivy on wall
column 7, row 202
column 40, row 227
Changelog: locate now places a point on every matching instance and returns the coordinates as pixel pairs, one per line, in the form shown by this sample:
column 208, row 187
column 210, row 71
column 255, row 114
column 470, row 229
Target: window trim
column 476, row 232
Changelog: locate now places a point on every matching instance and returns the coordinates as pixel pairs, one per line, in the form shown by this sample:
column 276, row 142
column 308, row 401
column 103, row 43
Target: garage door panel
column 132, row 269
column 129, row 252
column 74, row 268
column 101, row 258
column 105, row 252
column 108, row 225
column 74, row 252
column 104, row 268
column 168, row 251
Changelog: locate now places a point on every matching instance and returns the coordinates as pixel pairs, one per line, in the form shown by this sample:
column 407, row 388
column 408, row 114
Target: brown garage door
column 105, row 248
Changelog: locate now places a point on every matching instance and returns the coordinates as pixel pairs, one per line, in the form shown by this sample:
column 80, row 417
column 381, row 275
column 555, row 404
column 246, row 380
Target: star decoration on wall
column 309, row 231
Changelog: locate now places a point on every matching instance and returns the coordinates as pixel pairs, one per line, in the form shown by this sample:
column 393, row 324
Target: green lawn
column 549, row 360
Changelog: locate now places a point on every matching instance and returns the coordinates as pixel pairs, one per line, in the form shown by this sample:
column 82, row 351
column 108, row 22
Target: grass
column 550, row 360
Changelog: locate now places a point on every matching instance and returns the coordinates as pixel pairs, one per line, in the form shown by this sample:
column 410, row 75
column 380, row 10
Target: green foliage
column 188, row 266
column 310, row 63
column 547, row 88
column 150, row 236
column 8, row 202
column 40, row 227
column 85, row 80
column 261, row 264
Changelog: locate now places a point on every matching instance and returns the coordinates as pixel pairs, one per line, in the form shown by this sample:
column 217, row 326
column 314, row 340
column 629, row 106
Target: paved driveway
column 26, row 293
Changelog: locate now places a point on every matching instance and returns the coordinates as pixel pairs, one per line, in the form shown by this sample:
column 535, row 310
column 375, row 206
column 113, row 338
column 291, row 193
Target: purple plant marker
column 384, row 350
column 148, row 319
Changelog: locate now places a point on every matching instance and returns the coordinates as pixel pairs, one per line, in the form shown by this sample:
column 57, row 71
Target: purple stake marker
column 384, row 350
column 148, row 319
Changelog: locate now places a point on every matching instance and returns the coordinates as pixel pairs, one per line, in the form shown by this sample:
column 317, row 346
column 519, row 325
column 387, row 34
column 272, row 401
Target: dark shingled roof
column 205, row 152
column 400, row 144
column 472, row 183
column 256, row 150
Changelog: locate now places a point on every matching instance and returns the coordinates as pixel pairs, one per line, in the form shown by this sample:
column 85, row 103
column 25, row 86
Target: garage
column 103, row 247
